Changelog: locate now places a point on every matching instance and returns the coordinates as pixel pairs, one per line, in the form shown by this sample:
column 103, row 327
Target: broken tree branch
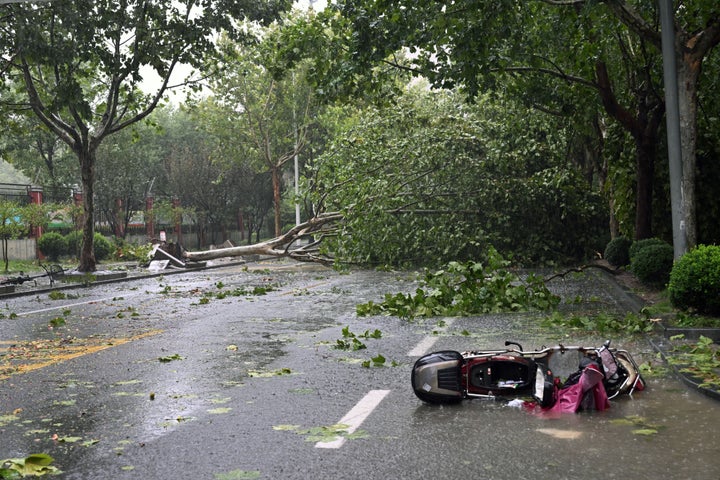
column 282, row 246
column 582, row 268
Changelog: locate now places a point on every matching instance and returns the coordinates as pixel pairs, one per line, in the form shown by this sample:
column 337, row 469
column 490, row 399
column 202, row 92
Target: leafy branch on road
column 351, row 341
column 601, row 323
column 243, row 291
column 470, row 288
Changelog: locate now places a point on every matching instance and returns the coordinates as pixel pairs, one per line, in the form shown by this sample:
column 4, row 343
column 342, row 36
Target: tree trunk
column 643, row 123
column 280, row 246
column 276, row 199
column 644, row 179
column 87, row 173
column 688, row 77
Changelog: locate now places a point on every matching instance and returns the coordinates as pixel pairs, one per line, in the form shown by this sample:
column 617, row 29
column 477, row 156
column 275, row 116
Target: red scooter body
column 449, row 376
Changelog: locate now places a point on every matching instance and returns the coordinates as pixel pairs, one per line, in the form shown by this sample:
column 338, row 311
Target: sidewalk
column 670, row 343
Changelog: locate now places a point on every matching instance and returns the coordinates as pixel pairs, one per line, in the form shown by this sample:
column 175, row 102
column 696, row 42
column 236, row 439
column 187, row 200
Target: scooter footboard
column 436, row 377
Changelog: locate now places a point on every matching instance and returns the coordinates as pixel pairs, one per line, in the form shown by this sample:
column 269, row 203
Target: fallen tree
column 286, row 245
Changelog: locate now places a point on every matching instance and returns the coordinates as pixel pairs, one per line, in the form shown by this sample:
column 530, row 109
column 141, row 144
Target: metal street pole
column 672, row 119
column 297, row 163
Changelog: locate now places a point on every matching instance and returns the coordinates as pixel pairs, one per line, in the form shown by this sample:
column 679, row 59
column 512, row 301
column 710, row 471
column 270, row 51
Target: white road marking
column 356, row 416
column 426, row 343
column 66, row 306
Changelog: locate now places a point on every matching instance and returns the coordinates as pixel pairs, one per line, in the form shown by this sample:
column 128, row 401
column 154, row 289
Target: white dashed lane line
column 426, row 343
column 356, row 417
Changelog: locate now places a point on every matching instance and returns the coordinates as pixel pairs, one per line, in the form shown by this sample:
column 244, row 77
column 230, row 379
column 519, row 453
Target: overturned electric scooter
column 449, row 376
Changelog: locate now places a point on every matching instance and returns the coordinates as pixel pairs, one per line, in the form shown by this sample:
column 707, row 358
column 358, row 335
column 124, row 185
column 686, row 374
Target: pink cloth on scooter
column 570, row 399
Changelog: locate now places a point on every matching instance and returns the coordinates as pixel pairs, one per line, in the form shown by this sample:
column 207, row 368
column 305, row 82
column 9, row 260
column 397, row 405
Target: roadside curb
column 625, row 297
column 635, row 304
column 125, row 278
column 686, row 379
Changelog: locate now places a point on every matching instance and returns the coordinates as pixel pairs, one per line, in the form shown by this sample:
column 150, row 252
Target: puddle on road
column 663, row 432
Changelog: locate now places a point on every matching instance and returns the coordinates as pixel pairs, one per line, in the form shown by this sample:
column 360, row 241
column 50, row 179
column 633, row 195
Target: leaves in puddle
column 127, row 382
column 232, row 383
column 331, row 432
column 128, row 394
column 323, row 433
column 238, row 475
column 219, row 411
column 644, row 427
column 302, row 391
column 6, row 419
column 273, row 373
column 286, row 428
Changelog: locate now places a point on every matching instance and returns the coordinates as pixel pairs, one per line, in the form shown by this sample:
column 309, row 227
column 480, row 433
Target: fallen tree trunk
column 283, row 246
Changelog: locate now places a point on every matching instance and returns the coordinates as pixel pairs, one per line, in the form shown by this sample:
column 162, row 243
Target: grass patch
column 675, row 318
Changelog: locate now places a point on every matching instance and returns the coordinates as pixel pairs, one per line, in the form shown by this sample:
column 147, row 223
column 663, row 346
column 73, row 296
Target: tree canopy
column 424, row 182
column 432, row 129
column 564, row 49
column 80, row 64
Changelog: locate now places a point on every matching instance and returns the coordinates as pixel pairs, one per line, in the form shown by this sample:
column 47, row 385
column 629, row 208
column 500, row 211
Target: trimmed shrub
column 695, row 281
column 101, row 247
column 74, row 243
column 638, row 245
column 652, row 264
column 617, row 251
column 52, row 245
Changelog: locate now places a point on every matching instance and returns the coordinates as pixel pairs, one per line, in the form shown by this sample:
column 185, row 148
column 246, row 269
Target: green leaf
column 238, row 475
column 37, row 464
column 170, row 358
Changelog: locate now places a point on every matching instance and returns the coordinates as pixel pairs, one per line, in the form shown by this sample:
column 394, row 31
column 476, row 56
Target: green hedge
column 638, row 245
column 695, row 281
column 55, row 245
column 52, row 245
column 617, row 251
column 653, row 263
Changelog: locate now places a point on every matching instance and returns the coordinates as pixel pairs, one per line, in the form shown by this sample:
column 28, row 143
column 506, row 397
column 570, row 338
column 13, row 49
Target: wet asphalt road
column 198, row 376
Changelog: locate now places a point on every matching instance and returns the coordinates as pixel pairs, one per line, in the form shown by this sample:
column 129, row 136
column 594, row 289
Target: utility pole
column 672, row 119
